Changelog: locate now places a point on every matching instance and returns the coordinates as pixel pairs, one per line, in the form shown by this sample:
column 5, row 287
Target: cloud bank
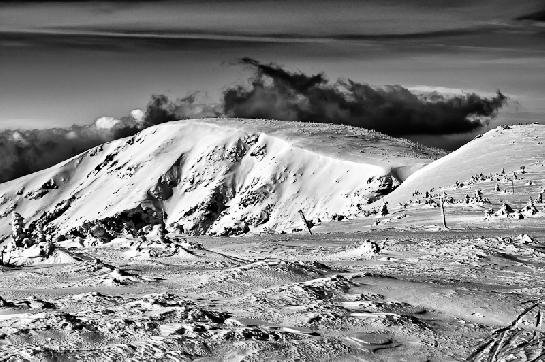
column 293, row 96
column 26, row 151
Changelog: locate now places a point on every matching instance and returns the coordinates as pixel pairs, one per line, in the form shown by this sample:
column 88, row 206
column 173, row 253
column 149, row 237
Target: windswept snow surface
column 218, row 175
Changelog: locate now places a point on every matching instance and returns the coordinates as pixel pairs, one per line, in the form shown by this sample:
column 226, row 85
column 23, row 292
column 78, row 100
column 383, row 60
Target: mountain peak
column 217, row 176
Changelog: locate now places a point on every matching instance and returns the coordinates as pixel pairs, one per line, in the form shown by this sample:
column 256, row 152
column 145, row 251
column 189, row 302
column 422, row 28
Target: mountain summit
column 216, row 176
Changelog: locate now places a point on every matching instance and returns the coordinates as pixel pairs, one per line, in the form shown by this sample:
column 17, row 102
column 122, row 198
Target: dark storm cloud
column 536, row 16
column 275, row 93
column 160, row 109
column 26, row 151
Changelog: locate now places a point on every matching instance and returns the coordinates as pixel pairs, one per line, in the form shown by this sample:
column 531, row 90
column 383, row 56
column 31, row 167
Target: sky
column 70, row 62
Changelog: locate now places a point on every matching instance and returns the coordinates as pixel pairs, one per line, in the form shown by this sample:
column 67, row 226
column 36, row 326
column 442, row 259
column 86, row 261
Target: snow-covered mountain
column 216, row 176
column 505, row 147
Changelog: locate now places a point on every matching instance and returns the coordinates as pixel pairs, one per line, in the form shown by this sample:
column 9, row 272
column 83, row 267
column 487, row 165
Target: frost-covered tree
column 17, row 228
column 384, row 210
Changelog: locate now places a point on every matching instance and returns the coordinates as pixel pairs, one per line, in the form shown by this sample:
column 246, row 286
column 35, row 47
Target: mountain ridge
column 217, row 176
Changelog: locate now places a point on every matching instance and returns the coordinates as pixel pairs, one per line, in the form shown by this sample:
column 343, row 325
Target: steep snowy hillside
column 503, row 148
column 215, row 176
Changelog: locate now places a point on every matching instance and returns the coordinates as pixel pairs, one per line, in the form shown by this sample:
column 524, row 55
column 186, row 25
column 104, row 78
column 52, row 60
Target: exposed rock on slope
column 215, row 177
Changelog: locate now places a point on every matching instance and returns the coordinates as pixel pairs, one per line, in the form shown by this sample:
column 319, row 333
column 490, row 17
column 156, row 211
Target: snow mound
column 363, row 250
column 213, row 176
column 34, row 256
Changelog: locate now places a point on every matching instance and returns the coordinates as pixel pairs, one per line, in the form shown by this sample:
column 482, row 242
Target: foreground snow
column 324, row 297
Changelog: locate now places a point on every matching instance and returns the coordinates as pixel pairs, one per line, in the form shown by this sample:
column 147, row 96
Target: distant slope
column 217, row 176
column 508, row 148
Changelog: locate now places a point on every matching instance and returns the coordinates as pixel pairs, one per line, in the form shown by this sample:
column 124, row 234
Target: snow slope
column 506, row 148
column 217, row 176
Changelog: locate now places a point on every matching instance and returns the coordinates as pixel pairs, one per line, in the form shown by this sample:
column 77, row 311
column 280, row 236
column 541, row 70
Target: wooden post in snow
column 442, row 205
column 163, row 230
column 513, row 185
column 305, row 221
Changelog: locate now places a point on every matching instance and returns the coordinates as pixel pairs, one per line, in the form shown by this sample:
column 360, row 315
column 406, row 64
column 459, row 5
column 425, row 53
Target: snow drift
column 222, row 177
